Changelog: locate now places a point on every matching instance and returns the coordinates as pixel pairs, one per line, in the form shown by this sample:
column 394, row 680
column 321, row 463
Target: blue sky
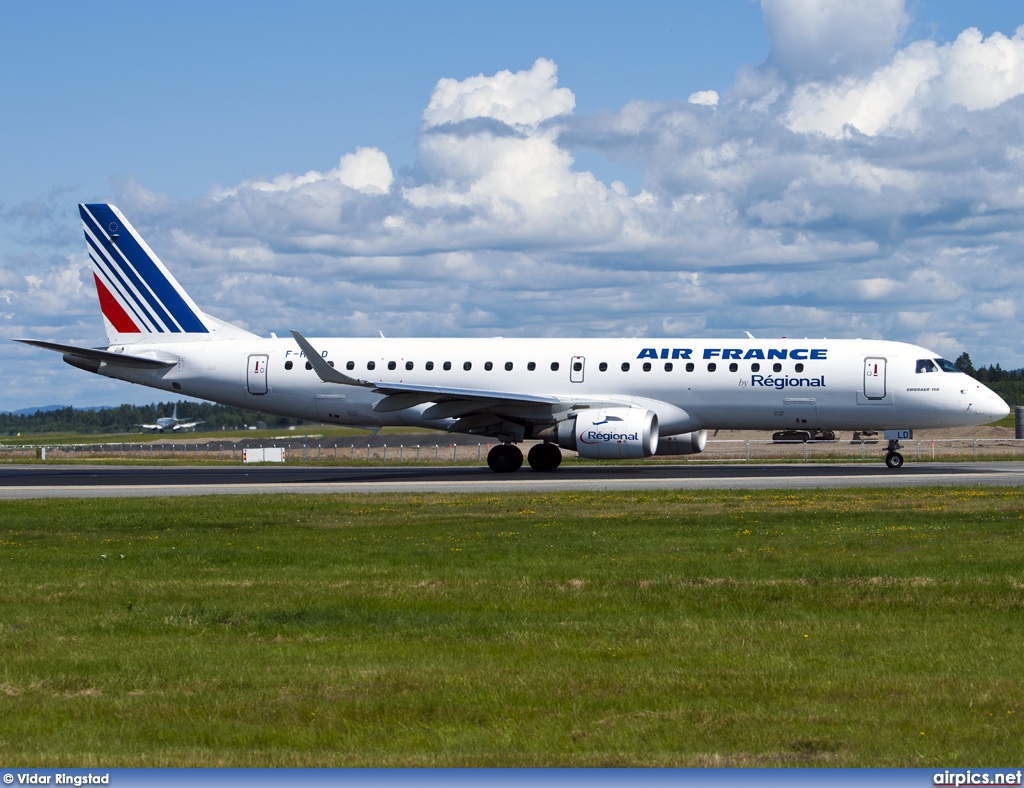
column 465, row 169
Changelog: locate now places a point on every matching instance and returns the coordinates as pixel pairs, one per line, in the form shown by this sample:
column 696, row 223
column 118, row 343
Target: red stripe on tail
column 113, row 311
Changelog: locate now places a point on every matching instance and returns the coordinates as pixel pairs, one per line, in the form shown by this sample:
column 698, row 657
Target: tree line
column 125, row 418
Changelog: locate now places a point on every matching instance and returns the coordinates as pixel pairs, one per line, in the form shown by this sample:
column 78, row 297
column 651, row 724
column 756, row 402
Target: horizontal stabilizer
column 119, row 359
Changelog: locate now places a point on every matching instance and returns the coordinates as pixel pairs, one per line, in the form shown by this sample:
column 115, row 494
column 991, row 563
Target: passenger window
column 467, row 366
column 755, row 367
column 310, row 366
column 429, row 365
column 447, row 365
column 577, row 366
column 712, row 366
column 408, row 365
column 531, row 366
column 288, row 365
column 371, row 364
column 625, row 366
column 603, row 366
column 733, row 367
column 669, row 366
column 488, row 366
column 799, row 367
column 392, row 365
column 554, row 366
column 350, row 365
column 330, row 363
column 776, row 367
column 689, row 366
column 647, row 366
column 508, row 366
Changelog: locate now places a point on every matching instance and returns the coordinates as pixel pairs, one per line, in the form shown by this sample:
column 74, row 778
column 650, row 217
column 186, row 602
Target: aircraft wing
column 186, row 425
column 149, row 426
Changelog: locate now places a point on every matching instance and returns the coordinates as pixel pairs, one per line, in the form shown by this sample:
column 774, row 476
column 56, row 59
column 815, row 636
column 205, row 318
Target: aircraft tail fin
column 140, row 299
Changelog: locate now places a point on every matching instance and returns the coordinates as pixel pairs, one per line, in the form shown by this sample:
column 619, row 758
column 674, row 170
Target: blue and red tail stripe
column 113, row 311
column 136, row 293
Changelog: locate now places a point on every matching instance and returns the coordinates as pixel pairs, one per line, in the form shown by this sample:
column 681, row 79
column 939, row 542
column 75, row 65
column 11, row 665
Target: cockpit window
column 926, row 365
column 947, row 366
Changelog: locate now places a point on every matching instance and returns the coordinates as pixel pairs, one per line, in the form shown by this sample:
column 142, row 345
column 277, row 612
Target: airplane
column 601, row 398
column 170, row 423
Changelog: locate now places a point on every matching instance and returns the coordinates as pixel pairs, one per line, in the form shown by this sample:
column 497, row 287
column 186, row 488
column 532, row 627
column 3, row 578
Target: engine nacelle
column 608, row 433
column 687, row 443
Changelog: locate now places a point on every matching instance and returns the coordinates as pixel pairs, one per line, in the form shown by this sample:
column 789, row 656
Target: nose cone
column 990, row 406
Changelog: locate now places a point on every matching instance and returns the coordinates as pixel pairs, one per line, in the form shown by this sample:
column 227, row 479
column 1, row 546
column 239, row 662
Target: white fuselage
column 691, row 383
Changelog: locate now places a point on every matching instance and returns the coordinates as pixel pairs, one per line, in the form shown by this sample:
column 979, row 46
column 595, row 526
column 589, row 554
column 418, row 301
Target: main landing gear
column 507, row 458
column 544, row 457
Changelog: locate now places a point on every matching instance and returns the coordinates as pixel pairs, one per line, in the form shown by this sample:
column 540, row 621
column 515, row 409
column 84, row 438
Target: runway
column 96, row 481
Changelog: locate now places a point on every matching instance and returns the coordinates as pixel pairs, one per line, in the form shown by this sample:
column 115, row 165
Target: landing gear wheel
column 894, row 460
column 544, row 457
column 505, row 458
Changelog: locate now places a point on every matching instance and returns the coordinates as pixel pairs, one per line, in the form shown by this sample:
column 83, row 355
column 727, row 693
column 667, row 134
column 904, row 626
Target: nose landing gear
column 893, row 458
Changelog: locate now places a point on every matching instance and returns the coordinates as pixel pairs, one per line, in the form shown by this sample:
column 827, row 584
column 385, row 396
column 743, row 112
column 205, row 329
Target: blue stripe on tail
column 135, row 270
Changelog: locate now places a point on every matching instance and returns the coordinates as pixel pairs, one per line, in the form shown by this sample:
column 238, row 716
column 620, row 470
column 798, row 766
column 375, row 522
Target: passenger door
column 256, row 379
column 874, row 378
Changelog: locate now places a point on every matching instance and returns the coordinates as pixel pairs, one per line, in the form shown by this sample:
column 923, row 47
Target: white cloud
column 367, row 170
column 706, row 98
column 820, row 39
column 971, row 72
column 525, row 98
column 1002, row 309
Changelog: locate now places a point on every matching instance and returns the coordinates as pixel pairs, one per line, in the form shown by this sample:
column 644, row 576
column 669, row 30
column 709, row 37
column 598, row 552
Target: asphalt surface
column 73, row 481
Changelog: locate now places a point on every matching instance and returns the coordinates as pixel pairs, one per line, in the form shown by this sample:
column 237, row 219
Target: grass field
column 846, row 628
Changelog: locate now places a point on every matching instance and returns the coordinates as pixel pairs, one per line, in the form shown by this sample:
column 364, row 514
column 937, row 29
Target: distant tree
column 963, row 363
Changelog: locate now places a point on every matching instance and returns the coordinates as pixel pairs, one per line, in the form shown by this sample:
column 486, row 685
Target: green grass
column 844, row 628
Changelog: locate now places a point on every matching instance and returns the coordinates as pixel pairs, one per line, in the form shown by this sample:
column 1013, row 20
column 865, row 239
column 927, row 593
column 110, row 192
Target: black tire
column 894, row 460
column 544, row 457
column 505, row 458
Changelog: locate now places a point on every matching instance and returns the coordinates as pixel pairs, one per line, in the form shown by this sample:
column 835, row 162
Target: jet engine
column 607, row 433
column 687, row 443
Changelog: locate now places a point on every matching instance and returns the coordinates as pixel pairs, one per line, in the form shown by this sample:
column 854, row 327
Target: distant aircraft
column 602, row 398
column 170, row 423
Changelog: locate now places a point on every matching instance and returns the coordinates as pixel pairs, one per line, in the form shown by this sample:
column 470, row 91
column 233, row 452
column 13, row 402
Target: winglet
column 325, row 371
